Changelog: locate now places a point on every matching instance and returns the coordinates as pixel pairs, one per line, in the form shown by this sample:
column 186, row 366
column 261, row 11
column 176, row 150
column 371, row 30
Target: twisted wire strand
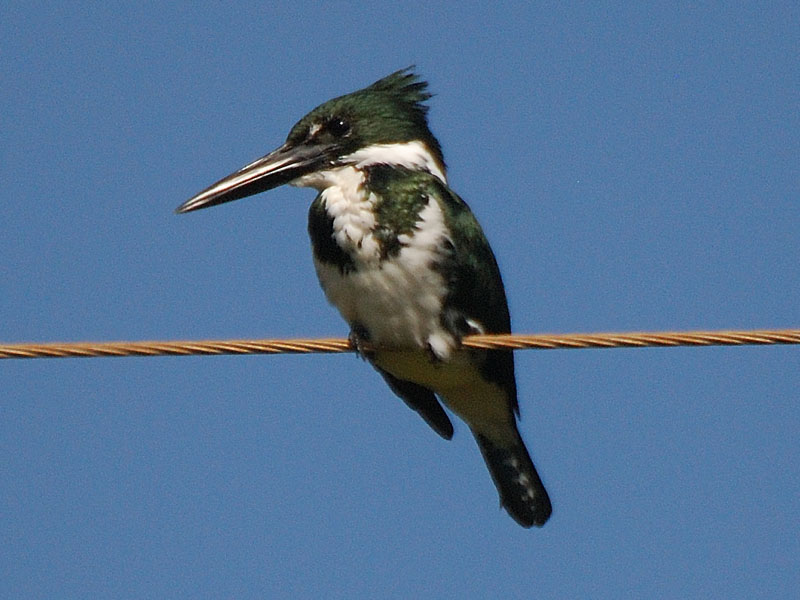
column 331, row 345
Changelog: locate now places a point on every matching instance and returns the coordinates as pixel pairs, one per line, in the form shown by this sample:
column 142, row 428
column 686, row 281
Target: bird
column 406, row 263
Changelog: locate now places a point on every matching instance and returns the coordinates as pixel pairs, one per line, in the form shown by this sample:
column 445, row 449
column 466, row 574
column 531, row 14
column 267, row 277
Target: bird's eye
column 337, row 126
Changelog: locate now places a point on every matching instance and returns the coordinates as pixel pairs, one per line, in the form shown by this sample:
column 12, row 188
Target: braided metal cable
column 488, row 342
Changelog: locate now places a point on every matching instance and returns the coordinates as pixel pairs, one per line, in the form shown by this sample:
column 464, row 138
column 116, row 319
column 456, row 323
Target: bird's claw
column 359, row 341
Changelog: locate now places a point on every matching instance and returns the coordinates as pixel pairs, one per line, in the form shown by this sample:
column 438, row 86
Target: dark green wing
column 476, row 286
column 468, row 264
column 422, row 400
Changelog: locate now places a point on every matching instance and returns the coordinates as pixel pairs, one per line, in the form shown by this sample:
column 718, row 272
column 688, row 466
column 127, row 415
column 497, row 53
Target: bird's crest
column 405, row 86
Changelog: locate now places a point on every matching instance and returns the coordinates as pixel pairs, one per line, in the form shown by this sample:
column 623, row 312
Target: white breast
column 399, row 299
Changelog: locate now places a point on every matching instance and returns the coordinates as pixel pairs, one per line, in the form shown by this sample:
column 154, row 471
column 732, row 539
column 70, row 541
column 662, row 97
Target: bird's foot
column 359, row 340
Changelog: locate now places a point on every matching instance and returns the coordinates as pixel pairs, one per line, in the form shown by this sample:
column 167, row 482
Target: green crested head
column 382, row 124
column 390, row 111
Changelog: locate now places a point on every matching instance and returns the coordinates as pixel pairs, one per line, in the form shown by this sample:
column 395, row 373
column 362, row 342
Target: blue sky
column 635, row 168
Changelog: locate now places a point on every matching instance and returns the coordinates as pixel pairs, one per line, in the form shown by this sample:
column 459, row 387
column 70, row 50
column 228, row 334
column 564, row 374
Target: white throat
column 410, row 155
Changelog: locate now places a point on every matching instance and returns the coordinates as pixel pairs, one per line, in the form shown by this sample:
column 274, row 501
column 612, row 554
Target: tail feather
column 521, row 490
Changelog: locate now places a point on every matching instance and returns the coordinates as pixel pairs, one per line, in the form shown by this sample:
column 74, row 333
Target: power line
column 488, row 342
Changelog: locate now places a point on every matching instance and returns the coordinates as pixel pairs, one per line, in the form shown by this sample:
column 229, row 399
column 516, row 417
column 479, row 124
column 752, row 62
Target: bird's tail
column 522, row 493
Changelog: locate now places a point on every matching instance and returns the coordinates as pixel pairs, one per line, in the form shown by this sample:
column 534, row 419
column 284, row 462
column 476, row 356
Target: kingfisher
column 405, row 262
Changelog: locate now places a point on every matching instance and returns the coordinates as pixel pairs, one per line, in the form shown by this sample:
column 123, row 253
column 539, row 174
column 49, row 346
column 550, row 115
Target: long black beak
column 280, row 166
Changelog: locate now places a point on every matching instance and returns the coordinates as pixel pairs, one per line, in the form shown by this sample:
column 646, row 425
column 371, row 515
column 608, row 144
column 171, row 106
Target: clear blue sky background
column 634, row 168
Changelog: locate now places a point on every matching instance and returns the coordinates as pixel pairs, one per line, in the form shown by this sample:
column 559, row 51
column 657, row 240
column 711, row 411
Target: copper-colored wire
column 489, row 342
